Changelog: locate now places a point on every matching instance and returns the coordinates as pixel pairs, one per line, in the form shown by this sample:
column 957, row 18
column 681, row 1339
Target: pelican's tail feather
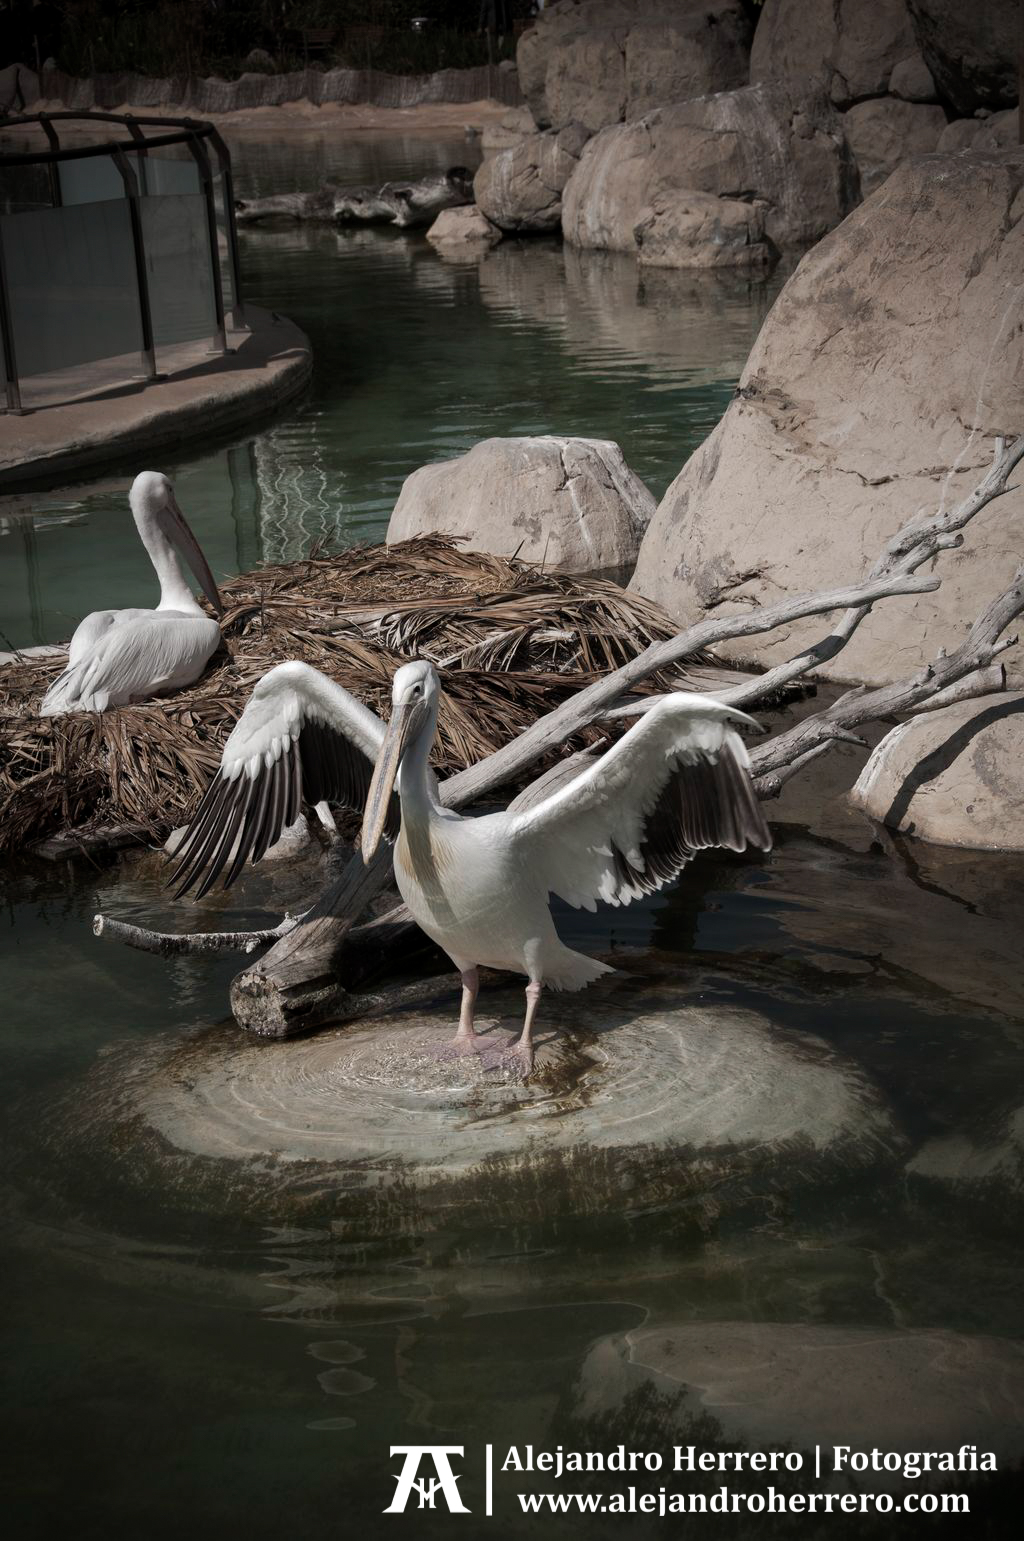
column 573, row 971
column 64, row 695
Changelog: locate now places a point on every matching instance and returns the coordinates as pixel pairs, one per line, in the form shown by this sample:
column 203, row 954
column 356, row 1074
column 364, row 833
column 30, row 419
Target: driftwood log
column 309, row 975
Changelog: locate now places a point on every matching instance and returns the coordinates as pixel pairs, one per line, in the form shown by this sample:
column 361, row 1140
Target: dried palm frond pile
column 511, row 643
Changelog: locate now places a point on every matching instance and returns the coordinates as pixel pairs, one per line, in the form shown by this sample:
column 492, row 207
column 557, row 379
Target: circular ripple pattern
column 628, row 1104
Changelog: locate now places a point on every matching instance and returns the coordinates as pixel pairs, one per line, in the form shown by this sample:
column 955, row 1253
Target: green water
column 171, row 1372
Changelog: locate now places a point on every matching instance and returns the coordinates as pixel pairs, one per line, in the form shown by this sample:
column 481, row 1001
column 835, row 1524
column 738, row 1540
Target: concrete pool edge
column 200, row 396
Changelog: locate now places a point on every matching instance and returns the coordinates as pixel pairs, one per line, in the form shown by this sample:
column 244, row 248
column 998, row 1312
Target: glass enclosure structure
column 117, row 239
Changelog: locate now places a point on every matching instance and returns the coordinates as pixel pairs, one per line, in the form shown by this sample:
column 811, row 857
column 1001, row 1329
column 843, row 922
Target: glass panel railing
column 93, row 179
column 177, row 242
column 71, row 284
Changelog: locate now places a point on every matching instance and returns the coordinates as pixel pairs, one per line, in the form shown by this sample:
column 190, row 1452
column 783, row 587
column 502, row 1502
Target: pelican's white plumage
column 120, row 656
column 677, row 782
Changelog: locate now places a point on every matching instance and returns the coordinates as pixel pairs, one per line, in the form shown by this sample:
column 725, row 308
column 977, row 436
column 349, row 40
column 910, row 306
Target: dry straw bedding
column 512, row 643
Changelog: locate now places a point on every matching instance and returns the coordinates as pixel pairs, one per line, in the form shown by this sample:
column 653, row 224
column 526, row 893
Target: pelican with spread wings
column 676, row 783
column 120, row 656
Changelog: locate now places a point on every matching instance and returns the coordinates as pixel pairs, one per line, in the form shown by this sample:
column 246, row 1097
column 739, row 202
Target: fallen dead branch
column 296, row 984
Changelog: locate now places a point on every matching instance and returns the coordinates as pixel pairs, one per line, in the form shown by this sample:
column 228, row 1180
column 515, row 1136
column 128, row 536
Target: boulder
column 955, row 777
column 997, row 131
column 883, row 131
column 463, row 230
column 889, row 361
column 783, row 146
column 972, row 50
column 511, row 127
column 569, row 503
column 607, row 60
column 850, row 46
column 698, row 230
column 521, row 188
column 912, row 80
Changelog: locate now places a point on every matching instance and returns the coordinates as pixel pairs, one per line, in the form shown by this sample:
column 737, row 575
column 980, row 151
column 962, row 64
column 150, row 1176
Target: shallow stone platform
column 99, row 412
column 765, row 1385
column 633, row 1103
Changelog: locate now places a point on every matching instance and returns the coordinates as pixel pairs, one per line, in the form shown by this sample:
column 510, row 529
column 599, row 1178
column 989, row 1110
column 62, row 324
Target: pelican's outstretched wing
column 676, row 783
column 301, row 738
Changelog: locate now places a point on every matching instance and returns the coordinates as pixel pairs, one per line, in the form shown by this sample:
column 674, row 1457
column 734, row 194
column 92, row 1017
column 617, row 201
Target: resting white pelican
column 676, row 783
column 120, row 656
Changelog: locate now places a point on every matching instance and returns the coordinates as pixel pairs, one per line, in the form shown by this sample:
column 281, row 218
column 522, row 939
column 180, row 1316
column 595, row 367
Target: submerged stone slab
column 772, row 1384
column 632, row 1103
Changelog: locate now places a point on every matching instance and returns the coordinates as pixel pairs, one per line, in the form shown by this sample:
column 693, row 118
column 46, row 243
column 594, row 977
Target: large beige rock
column 955, row 777
column 600, row 61
column 912, row 80
column 569, row 503
column 883, row 131
column 887, row 364
column 514, row 125
column 999, row 131
column 698, row 230
column 783, row 146
column 850, row 46
column 521, row 188
column 972, row 49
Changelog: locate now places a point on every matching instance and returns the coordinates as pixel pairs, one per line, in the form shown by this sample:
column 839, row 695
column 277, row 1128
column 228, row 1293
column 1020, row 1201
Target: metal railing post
column 231, row 226
column 131, row 191
column 220, row 341
column 56, row 196
column 140, row 140
column 12, row 388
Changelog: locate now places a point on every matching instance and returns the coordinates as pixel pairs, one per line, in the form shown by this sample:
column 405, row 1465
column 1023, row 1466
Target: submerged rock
column 569, row 503
column 778, row 145
column 955, row 777
column 633, row 1102
column 521, row 188
column 771, row 1385
column 885, row 368
column 605, row 60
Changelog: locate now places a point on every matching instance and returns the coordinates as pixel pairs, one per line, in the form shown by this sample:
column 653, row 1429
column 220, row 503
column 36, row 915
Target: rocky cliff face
column 890, row 360
column 606, row 61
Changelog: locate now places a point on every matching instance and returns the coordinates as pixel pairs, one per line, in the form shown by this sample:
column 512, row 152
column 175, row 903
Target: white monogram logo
column 409, row 1481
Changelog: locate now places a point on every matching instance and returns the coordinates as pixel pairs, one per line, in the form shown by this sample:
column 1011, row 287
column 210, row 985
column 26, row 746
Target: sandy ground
column 297, row 118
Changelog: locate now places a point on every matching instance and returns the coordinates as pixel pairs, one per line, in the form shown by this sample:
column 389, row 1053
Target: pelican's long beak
column 181, row 533
column 401, row 728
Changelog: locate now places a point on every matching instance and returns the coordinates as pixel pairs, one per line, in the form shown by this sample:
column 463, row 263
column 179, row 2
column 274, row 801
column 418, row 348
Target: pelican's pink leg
column 466, row 1037
column 523, row 1048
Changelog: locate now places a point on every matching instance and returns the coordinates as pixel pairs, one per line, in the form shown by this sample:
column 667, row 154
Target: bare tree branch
column 169, row 944
column 295, row 985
